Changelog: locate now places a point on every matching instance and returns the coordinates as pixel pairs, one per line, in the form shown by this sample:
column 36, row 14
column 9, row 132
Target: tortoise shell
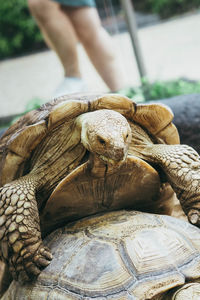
column 22, row 138
column 118, row 255
column 38, row 129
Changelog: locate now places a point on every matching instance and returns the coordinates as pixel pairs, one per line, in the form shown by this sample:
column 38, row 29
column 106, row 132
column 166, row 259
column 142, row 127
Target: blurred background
column 157, row 44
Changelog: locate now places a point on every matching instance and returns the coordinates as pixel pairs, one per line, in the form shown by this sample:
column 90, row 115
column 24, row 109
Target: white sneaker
column 70, row 85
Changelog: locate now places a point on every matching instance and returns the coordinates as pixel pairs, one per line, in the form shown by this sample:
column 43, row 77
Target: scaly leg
column 20, row 237
column 181, row 164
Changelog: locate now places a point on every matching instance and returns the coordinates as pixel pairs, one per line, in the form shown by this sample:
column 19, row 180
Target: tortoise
column 119, row 255
column 83, row 154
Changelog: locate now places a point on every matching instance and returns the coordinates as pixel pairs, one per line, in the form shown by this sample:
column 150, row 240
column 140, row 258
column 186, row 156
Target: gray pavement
column 170, row 50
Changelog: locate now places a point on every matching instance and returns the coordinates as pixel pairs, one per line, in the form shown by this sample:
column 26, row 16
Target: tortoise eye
column 101, row 141
column 127, row 136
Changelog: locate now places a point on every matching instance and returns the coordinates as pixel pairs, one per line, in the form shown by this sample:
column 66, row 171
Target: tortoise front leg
column 181, row 164
column 20, row 236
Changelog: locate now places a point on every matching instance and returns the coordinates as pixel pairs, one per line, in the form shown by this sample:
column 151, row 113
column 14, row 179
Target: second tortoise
column 123, row 255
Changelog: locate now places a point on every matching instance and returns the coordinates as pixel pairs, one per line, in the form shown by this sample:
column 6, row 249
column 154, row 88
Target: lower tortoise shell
column 119, row 255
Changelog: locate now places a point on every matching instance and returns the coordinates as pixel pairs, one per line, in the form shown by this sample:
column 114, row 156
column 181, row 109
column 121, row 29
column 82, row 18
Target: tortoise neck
column 97, row 167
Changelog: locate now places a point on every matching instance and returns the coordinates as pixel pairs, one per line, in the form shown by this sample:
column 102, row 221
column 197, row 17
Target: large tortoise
column 91, row 154
column 120, row 256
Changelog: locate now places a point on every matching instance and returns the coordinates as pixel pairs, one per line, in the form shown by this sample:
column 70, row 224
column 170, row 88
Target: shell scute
column 66, row 111
column 119, row 103
column 157, row 119
column 145, row 260
column 23, row 137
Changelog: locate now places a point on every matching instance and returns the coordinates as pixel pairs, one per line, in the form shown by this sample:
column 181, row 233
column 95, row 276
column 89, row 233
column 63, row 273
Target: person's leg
column 98, row 44
column 58, row 32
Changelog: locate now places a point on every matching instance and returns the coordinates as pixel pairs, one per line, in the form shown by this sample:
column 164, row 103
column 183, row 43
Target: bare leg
column 58, row 32
column 98, row 44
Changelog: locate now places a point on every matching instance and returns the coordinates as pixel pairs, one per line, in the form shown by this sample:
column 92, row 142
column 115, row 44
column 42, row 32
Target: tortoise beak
column 110, row 161
column 120, row 154
column 116, row 157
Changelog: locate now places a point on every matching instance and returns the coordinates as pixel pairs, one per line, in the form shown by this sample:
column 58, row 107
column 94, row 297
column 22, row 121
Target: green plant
column 34, row 104
column 166, row 8
column 161, row 89
column 18, row 31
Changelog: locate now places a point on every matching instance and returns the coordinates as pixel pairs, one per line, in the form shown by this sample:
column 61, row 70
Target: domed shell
column 119, row 255
column 25, row 135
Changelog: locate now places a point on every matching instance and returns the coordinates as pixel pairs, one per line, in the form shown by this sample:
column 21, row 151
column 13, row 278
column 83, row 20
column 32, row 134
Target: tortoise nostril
column 119, row 153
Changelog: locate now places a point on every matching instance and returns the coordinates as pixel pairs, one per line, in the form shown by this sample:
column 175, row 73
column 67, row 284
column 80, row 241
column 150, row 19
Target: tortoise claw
column 44, row 251
column 43, row 257
column 31, row 265
column 194, row 217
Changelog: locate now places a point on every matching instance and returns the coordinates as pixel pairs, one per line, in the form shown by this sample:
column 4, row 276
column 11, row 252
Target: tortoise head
column 107, row 134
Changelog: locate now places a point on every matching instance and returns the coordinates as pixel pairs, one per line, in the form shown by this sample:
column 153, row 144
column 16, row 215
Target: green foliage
column 34, row 104
column 161, row 89
column 166, row 8
column 18, row 31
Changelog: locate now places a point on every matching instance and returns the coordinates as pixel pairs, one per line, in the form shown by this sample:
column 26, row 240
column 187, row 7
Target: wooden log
column 186, row 109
